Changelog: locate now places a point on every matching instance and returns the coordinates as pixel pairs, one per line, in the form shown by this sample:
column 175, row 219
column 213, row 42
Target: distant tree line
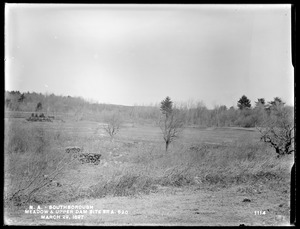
column 243, row 116
column 191, row 113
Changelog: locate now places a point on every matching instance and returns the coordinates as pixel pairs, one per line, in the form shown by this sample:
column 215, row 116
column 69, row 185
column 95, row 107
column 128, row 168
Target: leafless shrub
column 278, row 131
column 171, row 127
column 113, row 125
column 31, row 164
column 34, row 179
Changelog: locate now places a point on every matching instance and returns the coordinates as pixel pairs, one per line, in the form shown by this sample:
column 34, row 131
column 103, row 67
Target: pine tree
column 244, row 102
column 260, row 102
column 166, row 106
column 21, row 99
column 39, row 107
column 276, row 102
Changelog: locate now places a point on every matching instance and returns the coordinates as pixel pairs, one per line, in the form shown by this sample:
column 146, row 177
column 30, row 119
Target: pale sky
column 139, row 54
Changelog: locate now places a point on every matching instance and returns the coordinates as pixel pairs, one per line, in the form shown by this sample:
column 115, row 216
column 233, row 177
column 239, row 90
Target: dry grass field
column 209, row 176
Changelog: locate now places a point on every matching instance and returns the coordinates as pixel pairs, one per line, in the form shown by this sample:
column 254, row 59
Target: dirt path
column 169, row 207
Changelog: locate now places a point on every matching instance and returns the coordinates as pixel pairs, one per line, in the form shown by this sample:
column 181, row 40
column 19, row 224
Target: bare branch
column 277, row 132
column 171, row 125
column 113, row 125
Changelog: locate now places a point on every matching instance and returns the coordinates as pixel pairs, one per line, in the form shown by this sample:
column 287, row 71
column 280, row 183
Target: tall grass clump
column 244, row 161
column 17, row 140
column 31, row 165
column 127, row 181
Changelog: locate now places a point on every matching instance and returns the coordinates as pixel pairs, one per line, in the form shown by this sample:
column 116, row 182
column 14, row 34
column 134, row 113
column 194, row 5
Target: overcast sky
column 139, row 54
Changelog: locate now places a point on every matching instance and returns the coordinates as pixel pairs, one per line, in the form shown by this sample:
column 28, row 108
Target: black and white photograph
column 149, row 115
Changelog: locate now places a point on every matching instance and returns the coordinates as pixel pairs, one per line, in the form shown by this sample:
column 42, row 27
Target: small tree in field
column 278, row 130
column 113, row 125
column 170, row 122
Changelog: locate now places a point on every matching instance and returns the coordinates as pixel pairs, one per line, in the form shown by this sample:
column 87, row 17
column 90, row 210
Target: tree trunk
column 167, row 145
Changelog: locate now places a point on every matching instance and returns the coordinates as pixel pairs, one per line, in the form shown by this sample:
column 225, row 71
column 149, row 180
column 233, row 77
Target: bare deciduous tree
column 113, row 125
column 278, row 130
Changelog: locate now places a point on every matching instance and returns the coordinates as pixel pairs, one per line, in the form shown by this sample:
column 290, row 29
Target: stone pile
column 40, row 118
column 93, row 158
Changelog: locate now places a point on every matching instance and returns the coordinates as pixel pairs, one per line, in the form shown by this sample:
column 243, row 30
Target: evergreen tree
column 276, row 102
column 244, row 102
column 21, row 99
column 260, row 102
column 39, row 106
column 166, row 106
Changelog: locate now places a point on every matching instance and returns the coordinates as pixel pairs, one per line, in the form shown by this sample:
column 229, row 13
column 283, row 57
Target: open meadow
column 209, row 176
